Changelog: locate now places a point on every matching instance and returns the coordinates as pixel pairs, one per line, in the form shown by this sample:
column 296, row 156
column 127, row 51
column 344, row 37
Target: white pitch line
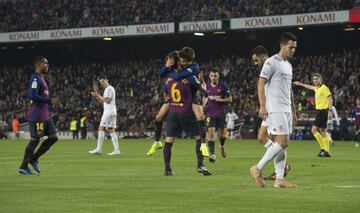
column 349, row 187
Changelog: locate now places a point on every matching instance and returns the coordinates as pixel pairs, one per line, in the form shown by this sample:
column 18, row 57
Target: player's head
column 174, row 55
column 316, row 79
column 41, row 64
column 186, row 56
column 259, row 55
column 214, row 75
column 104, row 81
column 288, row 44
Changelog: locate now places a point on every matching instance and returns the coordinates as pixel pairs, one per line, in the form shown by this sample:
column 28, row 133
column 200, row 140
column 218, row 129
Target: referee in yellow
column 323, row 104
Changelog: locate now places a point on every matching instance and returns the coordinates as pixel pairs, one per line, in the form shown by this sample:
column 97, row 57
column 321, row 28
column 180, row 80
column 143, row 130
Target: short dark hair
column 259, row 50
column 103, row 76
column 38, row 59
column 317, row 75
column 215, row 70
column 175, row 55
column 285, row 37
column 187, row 53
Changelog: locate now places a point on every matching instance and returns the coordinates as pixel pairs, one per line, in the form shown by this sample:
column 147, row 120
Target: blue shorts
column 177, row 123
column 39, row 129
column 216, row 122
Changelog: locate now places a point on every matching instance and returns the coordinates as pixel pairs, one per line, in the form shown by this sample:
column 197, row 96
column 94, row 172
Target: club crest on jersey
column 219, row 90
column 34, row 84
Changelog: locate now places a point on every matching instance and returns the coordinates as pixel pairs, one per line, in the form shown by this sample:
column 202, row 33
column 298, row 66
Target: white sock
column 100, row 141
column 280, row 163
column 114, row 140
column 268, row 143
column 157, row 142
column 270, row 153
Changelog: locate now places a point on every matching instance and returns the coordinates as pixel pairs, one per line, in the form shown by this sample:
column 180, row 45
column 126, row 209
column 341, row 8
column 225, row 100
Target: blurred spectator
column 15, row 126
column 3, row 127
column 74, row 128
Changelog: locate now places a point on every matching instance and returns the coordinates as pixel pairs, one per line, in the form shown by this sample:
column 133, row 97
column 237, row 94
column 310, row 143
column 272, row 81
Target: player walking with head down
column 276, row 76
column 40, row 122
column 259, row 55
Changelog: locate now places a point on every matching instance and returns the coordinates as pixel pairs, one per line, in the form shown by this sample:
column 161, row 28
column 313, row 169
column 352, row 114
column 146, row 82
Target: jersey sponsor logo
column 34, row 84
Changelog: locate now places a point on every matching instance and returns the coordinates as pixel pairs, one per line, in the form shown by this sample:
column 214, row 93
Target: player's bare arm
column 261, row 95
column 226, row 99
column 101, row 99
column 293, row 109
column 307, row 86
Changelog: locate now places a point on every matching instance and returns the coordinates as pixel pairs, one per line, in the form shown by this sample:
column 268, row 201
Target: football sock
column 319, row 139
column 280, row 163
column 268, row 144
column 45, row 146
column 199, row 156
column 211, row 147
column 326, row 144
column 100, row 141
column 270, row 153
column 167, row 155
column 202, row 130
column 158, row 130
column 29, row 151
column 114, row 140
column 222, row 141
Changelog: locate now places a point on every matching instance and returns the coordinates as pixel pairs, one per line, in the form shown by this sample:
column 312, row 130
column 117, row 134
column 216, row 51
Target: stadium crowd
column 24, row 15
column 139, row 94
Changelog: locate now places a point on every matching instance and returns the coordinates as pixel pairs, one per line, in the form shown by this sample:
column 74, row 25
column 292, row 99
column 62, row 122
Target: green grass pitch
column 74, row 181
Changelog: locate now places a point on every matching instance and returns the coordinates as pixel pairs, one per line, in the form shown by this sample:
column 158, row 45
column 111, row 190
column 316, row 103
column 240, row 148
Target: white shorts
column 264, row 123
column 108, row 120
column 230, row 125
column 279, row 123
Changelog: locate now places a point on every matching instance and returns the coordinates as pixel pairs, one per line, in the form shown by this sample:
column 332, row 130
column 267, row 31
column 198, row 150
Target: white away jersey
column 278, row 74
column 109, row 92
column 231, row 117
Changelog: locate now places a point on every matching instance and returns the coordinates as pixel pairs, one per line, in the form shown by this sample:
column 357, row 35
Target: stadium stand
column 60, row 14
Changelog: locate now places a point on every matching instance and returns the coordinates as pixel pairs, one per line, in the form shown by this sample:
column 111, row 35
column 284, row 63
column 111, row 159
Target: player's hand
column 263, row 114
column 297, row 83
column 169, row 62
column 218, row 99
column 94, row 93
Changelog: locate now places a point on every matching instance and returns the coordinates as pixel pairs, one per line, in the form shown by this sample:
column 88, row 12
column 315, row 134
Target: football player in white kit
column 259, row 55
column 276, row 75
column 231, row 117
column 108, row 119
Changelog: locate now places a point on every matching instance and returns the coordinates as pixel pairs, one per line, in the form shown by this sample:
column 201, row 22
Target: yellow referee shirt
column 321, row 97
